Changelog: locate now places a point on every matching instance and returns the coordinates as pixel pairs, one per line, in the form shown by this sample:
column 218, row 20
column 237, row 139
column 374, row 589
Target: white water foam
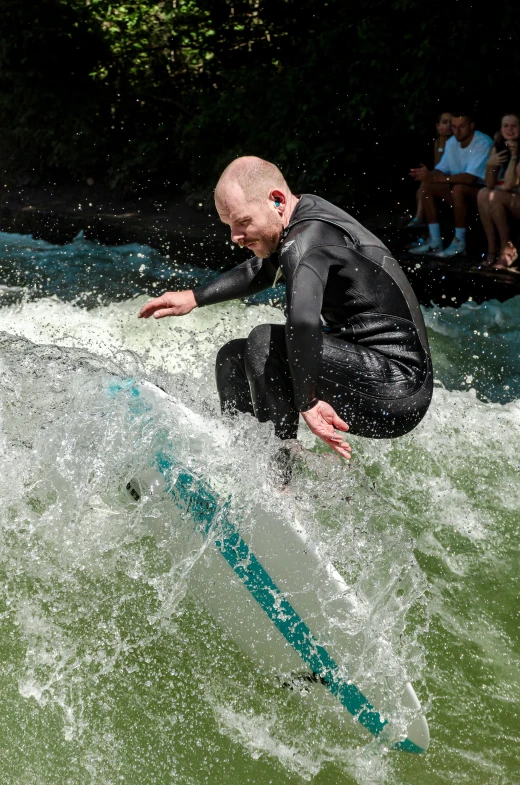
column 79, row 559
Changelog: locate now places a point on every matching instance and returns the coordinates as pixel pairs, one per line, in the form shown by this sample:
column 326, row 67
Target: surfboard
column 253, row 577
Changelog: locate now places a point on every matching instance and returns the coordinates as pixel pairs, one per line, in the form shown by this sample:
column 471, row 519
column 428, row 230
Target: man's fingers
column 164, row 312
column 337, row 443
column 344, row 449
column 339, row 423
column 151, row 306
column 146, row 311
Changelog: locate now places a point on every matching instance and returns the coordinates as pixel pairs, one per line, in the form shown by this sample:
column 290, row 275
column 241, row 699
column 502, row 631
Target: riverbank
column 192, row 233
column 167, row 223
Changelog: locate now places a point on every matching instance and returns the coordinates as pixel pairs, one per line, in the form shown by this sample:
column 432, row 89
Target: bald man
column 353, row 354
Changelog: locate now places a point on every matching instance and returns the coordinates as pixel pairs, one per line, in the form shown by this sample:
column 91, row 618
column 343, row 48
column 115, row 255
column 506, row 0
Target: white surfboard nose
column 419, row 733
column 418, row 730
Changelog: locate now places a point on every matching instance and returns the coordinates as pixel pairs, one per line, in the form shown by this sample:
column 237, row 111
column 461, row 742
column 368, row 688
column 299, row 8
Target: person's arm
column 463, row 178
column 422, row 174
column 246, row 279
column 494, row 162
column 303, row 333
column 304, row 347
column 511, row 174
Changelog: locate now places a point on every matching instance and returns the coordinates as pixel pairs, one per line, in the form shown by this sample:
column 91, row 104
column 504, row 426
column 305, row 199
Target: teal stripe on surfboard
column 205, row 508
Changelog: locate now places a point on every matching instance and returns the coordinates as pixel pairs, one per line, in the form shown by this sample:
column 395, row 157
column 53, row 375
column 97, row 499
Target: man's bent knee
column 230, row 351
column 258, row 349
column 466, row 193
column 259, row 337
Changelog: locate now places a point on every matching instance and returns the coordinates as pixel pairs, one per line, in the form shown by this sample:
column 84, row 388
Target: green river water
column 112, row 672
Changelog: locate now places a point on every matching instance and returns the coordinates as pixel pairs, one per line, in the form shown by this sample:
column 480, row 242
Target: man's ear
column 279, row 200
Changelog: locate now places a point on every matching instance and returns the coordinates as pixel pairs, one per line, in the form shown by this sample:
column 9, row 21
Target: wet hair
column 255, row 177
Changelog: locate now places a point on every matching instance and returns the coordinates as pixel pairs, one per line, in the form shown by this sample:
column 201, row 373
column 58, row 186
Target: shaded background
column 147, row 95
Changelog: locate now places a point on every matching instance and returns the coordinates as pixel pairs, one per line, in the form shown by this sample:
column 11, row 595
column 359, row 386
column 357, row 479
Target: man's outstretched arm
column 246, row 279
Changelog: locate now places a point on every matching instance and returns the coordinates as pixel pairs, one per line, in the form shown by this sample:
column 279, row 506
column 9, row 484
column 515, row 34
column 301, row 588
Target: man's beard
column 270, row 238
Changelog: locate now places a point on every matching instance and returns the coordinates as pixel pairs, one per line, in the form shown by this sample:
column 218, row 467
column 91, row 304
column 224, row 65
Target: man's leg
column 378, row 397
column 464, row 198
column 232, row 384
column 430, row 194
column 268, row 374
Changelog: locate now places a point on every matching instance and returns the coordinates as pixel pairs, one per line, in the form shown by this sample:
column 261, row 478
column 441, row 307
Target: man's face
column 462, row 128
column 255, row 225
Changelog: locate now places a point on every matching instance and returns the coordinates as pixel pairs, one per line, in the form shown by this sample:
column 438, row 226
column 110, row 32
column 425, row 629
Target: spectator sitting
column 502, row 193
column 443, row 134
column 455, row 180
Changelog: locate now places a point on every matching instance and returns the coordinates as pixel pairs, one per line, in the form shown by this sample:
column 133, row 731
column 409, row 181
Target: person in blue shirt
column 456, row 181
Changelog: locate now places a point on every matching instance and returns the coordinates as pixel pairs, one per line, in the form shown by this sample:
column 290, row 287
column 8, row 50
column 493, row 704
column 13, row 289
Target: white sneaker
column 455, row 248
column 426, row 246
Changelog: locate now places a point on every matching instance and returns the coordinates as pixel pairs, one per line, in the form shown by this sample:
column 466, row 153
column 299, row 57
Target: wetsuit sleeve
column 246, row 279
column 303, row 332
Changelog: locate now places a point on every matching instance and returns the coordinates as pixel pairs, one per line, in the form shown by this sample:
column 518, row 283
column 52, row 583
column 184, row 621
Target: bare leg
column 430, row 192
column 419, row 214
column 502, row 203
column 484, row 211
column 464, row 198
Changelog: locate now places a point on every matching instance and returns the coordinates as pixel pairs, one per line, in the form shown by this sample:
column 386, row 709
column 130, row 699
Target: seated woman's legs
column 484, row 210
column 503, row 205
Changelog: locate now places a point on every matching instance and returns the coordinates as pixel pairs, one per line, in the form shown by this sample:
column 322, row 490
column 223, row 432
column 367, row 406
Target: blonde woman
column 500, row 199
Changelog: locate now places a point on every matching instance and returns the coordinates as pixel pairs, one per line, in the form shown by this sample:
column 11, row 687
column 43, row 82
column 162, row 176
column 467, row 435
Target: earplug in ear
column 276, row 203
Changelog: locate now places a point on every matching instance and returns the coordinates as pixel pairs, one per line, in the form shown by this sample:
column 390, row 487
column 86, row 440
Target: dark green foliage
column 340, row 93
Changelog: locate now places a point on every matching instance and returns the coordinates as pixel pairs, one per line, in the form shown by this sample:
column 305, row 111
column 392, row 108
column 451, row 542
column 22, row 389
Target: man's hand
column 169, row 304
column 419, row 174
column 322, row 419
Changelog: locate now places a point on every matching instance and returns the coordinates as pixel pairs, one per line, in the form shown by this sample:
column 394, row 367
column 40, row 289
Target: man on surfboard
column 353, row 354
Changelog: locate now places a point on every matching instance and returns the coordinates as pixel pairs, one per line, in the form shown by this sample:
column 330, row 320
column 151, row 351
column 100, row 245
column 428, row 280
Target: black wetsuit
column 354, row 336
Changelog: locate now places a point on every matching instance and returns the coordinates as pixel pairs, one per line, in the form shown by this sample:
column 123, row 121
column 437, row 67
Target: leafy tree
column 342, row 94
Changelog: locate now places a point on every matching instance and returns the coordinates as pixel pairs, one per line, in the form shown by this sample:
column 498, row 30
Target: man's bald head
column 254, row 200
column 255, row 177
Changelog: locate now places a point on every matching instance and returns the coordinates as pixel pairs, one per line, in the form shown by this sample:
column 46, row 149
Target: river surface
column 112, row 672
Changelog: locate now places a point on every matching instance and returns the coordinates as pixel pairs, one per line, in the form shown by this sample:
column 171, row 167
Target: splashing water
column 113, row 672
